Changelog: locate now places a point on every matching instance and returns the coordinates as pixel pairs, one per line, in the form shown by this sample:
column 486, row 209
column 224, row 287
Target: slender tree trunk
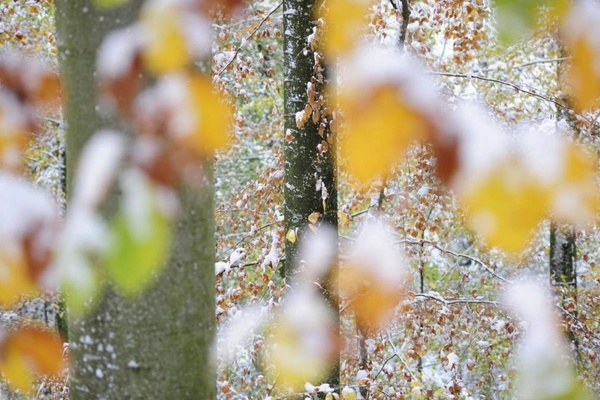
column 310, row 175
column 155, row 346
column 563, row 248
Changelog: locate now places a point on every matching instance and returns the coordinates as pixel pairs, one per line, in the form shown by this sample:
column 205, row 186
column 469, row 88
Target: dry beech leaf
column 290, row 236
column 314, row 217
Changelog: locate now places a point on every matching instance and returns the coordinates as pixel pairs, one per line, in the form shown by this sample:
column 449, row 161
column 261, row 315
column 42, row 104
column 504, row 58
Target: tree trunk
column 563, row 248
column 155, row 346
column 310, row 175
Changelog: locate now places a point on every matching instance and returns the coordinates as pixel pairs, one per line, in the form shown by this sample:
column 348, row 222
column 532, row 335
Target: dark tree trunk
column 563, row 248
column 155, row 346
column 310, row 175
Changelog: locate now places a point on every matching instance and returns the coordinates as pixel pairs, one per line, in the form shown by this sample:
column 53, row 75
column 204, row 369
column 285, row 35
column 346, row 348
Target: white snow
column 98, row 165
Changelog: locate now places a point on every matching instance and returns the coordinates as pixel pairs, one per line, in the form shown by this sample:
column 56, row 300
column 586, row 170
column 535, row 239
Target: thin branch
column 458, row 255
column 505, row 83
column 244, row 239
column 542, row 61
column 245, row 40
column 517, row 88
column 448, row 302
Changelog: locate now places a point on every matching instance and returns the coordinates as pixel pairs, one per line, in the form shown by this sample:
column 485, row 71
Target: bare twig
column 448, row 302
column 517, row 88
column 542, row 61
column 245, row 40
column 458, row 255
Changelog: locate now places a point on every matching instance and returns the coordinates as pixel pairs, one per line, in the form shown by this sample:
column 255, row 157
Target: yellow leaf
column 580, row 32
column 165, row 49
column 14, row 138
column 506, row 206
column 344, row 217
column 211, row 116
column 576, row 194
column 27, row 352
column 301, row 342
column 584, row 76
column 15, row 280
column 372, row 303
column 314, row 217
column 291, row 236
column 348, row 393
column 343, row 25
column 379, row 128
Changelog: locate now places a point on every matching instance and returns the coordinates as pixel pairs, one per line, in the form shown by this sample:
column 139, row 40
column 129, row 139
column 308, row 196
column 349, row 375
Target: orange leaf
column 30, row 351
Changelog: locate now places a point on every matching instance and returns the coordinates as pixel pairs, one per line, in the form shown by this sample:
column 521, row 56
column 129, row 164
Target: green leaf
column 82, row 286
column 107, row 4
column 137, row 255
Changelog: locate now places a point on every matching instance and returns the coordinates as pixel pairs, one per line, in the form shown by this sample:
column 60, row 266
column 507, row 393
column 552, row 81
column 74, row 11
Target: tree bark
column 563, row 247
column 155, row 346
column 310, row 183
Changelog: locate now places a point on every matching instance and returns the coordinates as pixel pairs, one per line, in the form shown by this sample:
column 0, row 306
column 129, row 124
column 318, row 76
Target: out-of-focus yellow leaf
column 379, row 128
column 165, row 49
column 371, row 302
column 348, row 393
column 584, row 75
column 301, row 342
column 208, row 117
column 15, row 281
column 507, row 205
column 576, row 194
column 293, row 364
column 27, row 352
column 343, row 22
column 580, row 31
column 215, row 116
column 14, row 138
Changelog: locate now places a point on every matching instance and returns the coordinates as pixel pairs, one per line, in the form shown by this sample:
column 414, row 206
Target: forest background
column 452, row 334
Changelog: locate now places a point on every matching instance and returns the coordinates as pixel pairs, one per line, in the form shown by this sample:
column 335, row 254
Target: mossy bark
column 310, row 183
column 157, row 345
